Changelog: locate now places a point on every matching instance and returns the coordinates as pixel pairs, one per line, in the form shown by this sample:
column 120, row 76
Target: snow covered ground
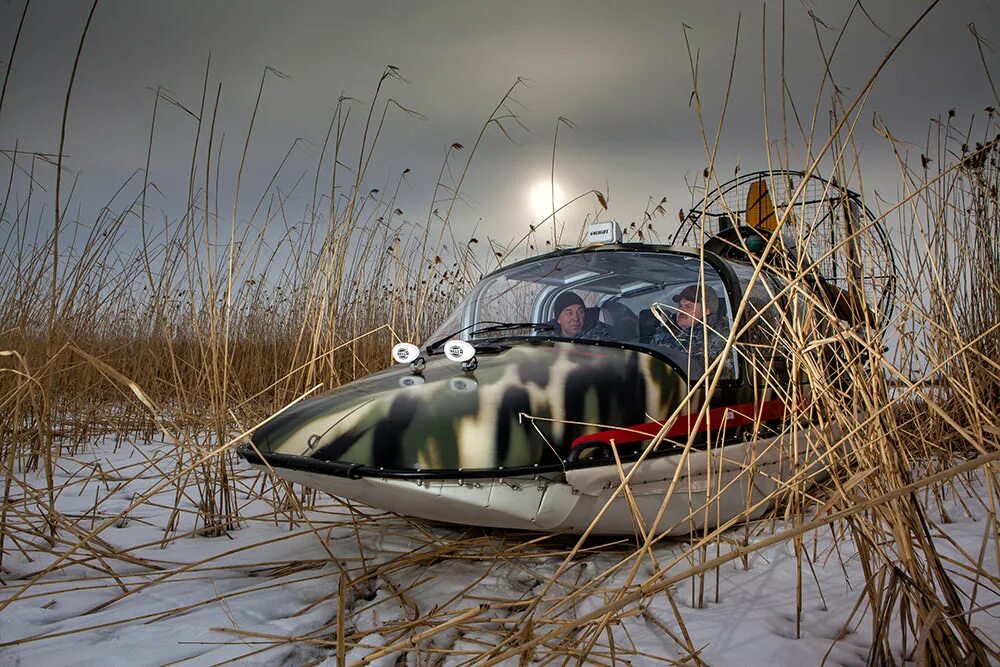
column 268, row 592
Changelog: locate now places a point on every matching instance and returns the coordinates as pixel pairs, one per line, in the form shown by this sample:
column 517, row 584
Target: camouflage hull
column 523, row 406
column 501, row 446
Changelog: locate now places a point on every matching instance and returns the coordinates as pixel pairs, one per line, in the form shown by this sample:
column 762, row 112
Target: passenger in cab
column 694, row 320
column 573, row 319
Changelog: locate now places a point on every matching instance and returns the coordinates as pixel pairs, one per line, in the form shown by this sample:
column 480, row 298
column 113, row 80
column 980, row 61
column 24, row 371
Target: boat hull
column 710, row 488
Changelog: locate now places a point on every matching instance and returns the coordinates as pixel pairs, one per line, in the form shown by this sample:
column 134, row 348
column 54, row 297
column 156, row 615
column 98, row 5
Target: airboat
column 517, row 413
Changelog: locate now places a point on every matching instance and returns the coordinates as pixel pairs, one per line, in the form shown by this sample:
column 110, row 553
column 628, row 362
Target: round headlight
column 459, row 350
column 405, row 353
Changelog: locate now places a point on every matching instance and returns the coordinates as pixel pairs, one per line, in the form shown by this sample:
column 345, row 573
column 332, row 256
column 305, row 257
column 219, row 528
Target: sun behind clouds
column 540, row 199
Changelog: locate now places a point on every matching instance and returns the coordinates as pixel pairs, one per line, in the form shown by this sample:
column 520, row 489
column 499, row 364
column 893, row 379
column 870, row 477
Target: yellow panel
column 760, row 209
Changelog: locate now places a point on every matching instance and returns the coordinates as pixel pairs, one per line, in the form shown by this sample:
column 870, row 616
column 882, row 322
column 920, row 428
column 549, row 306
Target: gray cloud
column 619, row 71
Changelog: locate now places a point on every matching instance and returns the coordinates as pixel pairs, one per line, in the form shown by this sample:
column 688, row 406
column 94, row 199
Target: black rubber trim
column 358, row 471
column 296, row 462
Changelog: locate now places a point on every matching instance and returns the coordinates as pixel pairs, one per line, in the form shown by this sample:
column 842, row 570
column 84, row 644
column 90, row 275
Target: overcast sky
column 618, row 70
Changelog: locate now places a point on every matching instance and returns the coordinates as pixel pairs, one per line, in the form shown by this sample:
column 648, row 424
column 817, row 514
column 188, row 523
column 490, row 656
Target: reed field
column 131, row 533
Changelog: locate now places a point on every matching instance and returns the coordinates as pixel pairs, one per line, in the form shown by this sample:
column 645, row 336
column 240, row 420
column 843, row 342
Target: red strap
column 716, row 418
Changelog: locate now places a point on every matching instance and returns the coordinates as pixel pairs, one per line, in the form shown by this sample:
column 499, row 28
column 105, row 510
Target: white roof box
column 606, row 231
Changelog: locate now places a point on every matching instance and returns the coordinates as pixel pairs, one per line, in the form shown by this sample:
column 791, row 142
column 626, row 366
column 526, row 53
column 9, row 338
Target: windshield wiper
column 495, row 326
column 432, row 347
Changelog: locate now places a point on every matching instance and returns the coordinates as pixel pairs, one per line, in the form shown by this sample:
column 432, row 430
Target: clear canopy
column 668, row 302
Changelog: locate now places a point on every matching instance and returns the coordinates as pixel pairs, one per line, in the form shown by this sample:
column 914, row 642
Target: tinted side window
column 765, row 351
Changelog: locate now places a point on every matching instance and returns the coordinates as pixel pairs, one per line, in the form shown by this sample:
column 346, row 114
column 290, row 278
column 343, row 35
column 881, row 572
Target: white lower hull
column 710, row 489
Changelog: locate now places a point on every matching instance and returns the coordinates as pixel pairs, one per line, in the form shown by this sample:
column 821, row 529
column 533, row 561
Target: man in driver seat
column 571, row 319
column 695, row 318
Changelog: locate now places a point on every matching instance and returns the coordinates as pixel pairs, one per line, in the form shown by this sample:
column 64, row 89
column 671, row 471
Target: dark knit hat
column 565, row 300
column 693, row 294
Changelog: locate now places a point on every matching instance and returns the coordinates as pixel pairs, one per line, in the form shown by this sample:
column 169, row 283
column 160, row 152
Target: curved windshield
column 669, row 302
